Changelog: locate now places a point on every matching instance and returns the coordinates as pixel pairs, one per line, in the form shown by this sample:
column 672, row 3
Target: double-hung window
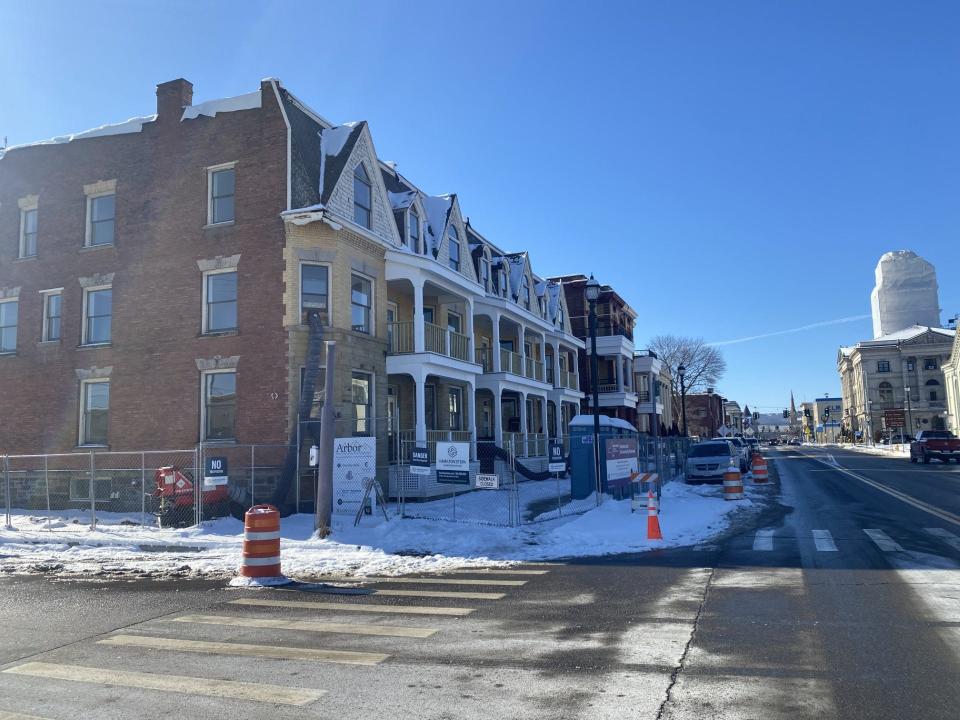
column 455, row 408
column 454, row 245
column 52, row 311
column 314, row 292
column 414, row 231
column 883, row 366
column 219, row 405
column 362, row 392
column 526, row 292
column 220, row 301
column 97, row 315
column 362, row 196
column 28, row 233
column 221, row 184
column 485, row 274
column 361, row 304
column 9, row 309
column 101, row 210
column 94, row 411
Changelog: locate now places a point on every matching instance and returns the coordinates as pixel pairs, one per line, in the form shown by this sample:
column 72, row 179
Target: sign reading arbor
column 354, row 463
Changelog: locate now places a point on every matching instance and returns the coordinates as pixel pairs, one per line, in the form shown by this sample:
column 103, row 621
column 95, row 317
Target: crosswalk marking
column 441, row 594
column 348, row 657
column 308, row 626
column 432, row 581
column 824, row 541
column 883, row 541
column 356, row 607
column 948, row 537
column 180, row 684
column 763, row 540
column 495, row 571
column 18, row 716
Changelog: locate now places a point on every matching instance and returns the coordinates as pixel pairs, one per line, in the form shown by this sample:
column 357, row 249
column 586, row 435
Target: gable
column 443, row 250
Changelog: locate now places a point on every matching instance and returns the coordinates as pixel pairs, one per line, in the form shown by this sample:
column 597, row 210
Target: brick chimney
column 172, row 97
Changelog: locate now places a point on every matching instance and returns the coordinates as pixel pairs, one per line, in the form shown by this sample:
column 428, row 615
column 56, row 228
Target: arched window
column 361, row 196
column 931, row 388
column 454, row 251
column 886, row 392
column 414, row 231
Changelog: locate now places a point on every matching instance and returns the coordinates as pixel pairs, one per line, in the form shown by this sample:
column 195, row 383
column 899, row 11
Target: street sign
column 453, row 463
column 556, row 463
column 215, row 472
column 420, row 460
column 622, row 460
column 487, row 482
column 354, row 465
column 894, row 418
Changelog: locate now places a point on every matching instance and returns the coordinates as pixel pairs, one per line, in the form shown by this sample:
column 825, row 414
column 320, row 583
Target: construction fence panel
column 543, row 496
column 245, row 475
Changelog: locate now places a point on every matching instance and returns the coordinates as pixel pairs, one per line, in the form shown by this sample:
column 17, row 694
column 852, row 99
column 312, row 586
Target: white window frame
column 23, row 232
column 88, row 235
column 83, row 328
column 458, row 316
column 203, row 405
column 205, row 312
column 453, row 238
column 368, row 181
column 373, row 302
column 414, row 242
column 16, row 328
column 44, row 328
column 371, row 429
column 455, row 390
column 81, row 429
column 210, row 171
column 329, row 268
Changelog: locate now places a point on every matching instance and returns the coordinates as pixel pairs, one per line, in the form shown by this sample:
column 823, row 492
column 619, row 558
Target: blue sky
column 733, row 169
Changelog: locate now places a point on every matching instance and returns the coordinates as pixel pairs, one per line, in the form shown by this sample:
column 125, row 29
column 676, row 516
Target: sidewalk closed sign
column 453, row 463
column 556, row 463
column 621, row 460
column 215, row 472
column 488, row 482
column 420, row 460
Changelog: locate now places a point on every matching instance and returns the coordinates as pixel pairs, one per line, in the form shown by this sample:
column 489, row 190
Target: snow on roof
column 518, row 263
column 553, row 300
column 333, row 139
column 401, row 200
column 605, row 421
column 438, row 210
column 250, row 101
column 133, row 125
column 909, row 333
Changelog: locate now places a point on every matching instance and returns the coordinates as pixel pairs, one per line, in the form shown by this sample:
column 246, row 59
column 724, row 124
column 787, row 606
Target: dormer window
column 485, row 273
column 502, row 274
column 361, row 197
column 454, row 241
column 414, row 230
column 526, row 292
column 560, row 315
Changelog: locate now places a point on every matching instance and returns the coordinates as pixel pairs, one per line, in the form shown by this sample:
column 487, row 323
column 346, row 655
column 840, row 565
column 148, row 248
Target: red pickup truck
column 931, row 444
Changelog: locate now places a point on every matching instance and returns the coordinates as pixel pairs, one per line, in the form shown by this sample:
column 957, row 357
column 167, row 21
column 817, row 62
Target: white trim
column 23, row 234
column 458, row 315
column 203, row 403
column 47, row 294
column 373, row 302
column 286, row 121
column 371, row 403
column 204, row 312
column 88, row 232
column 329, row 267
column 210, row 170
column 81, row 428
column 83, row 316
column 16, row 327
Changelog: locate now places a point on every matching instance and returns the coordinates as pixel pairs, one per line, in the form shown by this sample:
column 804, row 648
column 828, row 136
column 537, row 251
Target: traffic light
column 786, row 414
column 806, row 412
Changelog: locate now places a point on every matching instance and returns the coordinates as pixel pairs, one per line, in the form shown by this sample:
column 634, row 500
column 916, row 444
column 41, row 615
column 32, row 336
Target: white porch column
column 556, row 366
column 629, row 380
column 558, row 417
column 543, row 419
column 618, row 366
column 497, row 419
column 472, row 419
column 420, row 383
column 419, row 343
column 471, row 344
column 523, row 425
column 522, row 339
column 496, row 356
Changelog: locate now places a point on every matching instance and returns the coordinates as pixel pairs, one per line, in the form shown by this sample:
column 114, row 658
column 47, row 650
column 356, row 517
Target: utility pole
column 324, row 490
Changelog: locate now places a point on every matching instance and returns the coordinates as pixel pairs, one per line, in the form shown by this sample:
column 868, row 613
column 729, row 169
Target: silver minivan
column 707, row 461
column 743, row 452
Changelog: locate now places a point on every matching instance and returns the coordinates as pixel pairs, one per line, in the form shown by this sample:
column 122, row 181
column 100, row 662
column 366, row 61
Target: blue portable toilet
column 582, row 478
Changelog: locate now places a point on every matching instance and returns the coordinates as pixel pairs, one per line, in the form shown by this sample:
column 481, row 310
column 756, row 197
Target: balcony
column 568, row 380
column 439, row 340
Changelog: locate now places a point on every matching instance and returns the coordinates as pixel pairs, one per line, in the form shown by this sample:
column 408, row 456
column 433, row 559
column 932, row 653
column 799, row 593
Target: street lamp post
column 592, row 292
column 681, row 371
column 870, row 419
column 906, row 394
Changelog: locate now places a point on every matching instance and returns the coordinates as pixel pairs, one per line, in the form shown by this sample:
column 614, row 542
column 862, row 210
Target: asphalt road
column 801, row 613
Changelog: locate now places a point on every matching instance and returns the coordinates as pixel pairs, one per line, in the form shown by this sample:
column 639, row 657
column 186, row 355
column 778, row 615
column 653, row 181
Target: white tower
column 906, row 293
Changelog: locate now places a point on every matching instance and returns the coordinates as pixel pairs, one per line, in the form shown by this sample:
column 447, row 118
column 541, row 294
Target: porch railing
column 435, row 338
column 484, row 358
column 511, row 362
column 607, row 388
column 400, row 337
column 534, row 369
column 569, row 380
column 459, row 346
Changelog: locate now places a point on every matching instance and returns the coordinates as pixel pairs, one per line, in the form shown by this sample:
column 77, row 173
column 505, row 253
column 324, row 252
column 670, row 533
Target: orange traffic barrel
column 261, row 543
column 732, row 484
column 759, row 469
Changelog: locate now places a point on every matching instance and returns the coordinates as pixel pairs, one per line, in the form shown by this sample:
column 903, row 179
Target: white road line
column 309, row 626
column 177, row 684
column 356, row 607
column 824, row 541
column 948, row 537
column 919, row 504
column 346, row 657
column 495, row 571
column 763, row 540
column 19, row 716
column 441, row 594
column 429, row 581
column 883, row 541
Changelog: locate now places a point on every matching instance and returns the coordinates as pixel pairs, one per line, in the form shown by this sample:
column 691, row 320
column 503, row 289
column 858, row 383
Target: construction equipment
column 177, row 495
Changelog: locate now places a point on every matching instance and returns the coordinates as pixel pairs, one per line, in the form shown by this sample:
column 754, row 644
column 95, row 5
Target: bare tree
column 703, row 364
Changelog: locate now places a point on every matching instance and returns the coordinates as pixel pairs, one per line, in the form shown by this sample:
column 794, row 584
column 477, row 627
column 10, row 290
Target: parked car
column 752, row 444
column 743, row 451
column 935, row 444
column 795, row 441
column 773, row 441
column 707, row 461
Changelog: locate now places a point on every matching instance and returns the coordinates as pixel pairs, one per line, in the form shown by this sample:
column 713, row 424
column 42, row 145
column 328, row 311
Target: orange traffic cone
column 653, row 521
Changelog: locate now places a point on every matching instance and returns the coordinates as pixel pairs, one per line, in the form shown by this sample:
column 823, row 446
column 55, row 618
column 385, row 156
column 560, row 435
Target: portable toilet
column 583, row 481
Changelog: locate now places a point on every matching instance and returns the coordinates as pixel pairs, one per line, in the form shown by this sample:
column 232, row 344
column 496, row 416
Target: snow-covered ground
column 887, row 450
column 63, row 543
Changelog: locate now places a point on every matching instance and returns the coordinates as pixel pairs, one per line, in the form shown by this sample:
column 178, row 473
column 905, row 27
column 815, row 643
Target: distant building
column 951, row 381
column 704, row 414
column 906, row 293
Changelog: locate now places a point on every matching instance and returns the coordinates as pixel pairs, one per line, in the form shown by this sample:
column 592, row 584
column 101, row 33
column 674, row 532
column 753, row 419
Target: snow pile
column 250, row 101
column 689, row 515
column 897, row 450
column 401, row 200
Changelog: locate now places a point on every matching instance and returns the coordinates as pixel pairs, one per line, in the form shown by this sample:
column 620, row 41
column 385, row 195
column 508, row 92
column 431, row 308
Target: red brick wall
column 157, row 289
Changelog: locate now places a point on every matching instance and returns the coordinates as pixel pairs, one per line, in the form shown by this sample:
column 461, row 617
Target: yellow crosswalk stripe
column 179, row 684
column 348, row 657
column 441, row 594
column 309, row 626
column 356, row 607
column 432, row 581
